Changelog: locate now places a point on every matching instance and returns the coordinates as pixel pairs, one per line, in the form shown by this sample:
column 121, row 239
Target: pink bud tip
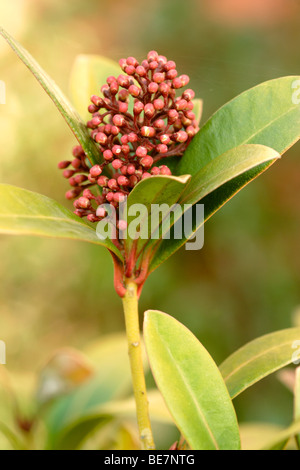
column 132, row 61
column 130, row 70
column 147, row 162
column 159, row 123
column 110, row 196
column 138, row 107
column 155, row 171
column 112, row 184
column 95, row 171
column 152, row 55
column 158, row 77
column 146, row 175
column 83, row 203
column 134, row 91
column 107, row 154
column 102, row 181
column 149, row 110
column 68, row 173
column 117, row 149
column 164, row 170
column 158, row 104
column 165, row 139
column 153, row 87
column 141, row 151
column 123, row 107
column 162, row 148
column 131, row 169
column 132, row 137
column 116, row 164
column 141, row 71
column 63, row 164
column 101, row 138
column 119, row 120
column 147, row 131
column 100, row 212
column 123, row 181
column 181, row 136
column 122, row 63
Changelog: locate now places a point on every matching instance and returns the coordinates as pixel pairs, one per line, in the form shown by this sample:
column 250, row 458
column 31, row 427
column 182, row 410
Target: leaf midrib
column 174, row 362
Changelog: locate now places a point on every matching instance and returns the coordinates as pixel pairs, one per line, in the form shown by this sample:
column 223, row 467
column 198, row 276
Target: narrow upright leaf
column 89, row 73
column 258, row 359
column 23, row 212
column 71, row 116
column 191, row 384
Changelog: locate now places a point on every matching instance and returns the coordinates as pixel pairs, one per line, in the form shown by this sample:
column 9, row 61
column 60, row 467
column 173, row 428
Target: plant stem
column 130, row 305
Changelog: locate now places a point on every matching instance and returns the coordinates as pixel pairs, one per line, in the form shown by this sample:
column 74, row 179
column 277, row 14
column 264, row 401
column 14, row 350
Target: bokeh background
column 245, row 282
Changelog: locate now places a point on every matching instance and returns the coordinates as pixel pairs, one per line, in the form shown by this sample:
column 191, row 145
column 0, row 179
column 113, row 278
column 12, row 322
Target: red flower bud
column 119, row 120
column 148, row 131
column 101, row 138
column 116, row 164
column 95, row 171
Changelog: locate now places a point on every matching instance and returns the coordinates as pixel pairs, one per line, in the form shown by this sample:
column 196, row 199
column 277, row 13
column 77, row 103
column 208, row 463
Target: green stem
column 130, row 305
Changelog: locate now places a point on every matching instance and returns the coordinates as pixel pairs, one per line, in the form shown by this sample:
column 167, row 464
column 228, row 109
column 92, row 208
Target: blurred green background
column 246, row 280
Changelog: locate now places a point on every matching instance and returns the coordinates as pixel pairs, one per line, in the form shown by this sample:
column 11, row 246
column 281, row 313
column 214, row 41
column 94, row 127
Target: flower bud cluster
column 137, row 123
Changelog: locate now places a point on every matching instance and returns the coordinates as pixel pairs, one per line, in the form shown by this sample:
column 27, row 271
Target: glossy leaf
column 23, row 212
column 89, row 73
column 214, row 185
column 68, row 112
column 198, row 109
column 224, row 168
column 267, row 114
column 258, row 359
column 156, row 190
column 191, row 384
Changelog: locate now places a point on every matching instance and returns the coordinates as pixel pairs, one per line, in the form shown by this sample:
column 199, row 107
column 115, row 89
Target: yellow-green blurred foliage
column 246, row 280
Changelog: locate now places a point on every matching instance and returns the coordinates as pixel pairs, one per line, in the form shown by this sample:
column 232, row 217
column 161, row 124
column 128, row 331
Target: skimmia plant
column 139, row 144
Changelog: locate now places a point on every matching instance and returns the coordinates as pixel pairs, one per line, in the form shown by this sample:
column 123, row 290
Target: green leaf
column 283, row 436
column 215, row 184
column 224, row 168
column 258, row 359
column 71, row 116
column 88, row 74
column 191, row 384
column 297, row 402
column 121, row 410
column 263, row 115
column 23, row 212
column 156, row 190
column 198, row 109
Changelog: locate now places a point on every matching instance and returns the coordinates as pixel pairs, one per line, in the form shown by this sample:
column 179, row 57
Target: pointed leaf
column 258, row 359
column 224, row 168
column 23, row 212
column 214, row 185
column 89, row 73
column 191, row 384
column 155, row 190
column 267, row 114
column 71, row 116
